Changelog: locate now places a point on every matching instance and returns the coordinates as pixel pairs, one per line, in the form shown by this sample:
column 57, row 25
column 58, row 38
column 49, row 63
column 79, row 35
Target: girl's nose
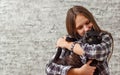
column 86, row 28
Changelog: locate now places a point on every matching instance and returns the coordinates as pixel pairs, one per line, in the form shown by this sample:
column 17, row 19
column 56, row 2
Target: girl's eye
column 87, row 22
column 80, row 27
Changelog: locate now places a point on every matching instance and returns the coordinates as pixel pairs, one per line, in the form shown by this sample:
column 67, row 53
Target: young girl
column 78, row 21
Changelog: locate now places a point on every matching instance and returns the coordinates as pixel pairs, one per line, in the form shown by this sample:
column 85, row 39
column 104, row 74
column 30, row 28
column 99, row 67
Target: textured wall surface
column 29, row 30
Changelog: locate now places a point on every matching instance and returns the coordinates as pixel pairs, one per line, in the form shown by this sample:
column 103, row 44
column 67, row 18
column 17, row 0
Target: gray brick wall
column 29, row 30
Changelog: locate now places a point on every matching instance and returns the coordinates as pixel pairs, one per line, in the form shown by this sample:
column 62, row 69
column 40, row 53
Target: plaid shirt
column 99, row 52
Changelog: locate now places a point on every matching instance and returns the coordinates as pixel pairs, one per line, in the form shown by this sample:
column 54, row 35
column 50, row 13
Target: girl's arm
column 56, row 69
column 64, row 44
column 99, row 51
column 95, row 51
column 86, row 69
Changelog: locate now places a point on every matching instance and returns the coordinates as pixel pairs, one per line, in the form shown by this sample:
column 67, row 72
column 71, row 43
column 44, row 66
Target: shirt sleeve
column 98, row 51
column 55, row 69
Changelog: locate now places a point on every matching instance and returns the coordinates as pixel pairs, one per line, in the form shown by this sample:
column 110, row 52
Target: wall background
column 29, row 30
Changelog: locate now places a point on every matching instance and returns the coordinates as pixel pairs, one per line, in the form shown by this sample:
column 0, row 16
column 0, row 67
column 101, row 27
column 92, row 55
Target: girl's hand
column 87, row 69
column 62, row 42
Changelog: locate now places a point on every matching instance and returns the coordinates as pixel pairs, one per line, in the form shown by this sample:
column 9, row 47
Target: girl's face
column 82, row 24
